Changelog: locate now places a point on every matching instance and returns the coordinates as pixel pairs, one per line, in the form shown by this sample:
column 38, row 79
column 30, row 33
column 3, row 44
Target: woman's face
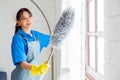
column 25, row 20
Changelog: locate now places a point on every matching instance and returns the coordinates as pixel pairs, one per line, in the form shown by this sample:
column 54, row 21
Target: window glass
column 92, row 51
column 92, row 16
column 100, row 48
column 100, row 15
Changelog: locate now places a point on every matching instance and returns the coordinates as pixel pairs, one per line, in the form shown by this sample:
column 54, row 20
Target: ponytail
column 17, row 26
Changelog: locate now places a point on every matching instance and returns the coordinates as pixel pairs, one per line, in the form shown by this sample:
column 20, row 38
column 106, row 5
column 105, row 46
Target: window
column 94, row 39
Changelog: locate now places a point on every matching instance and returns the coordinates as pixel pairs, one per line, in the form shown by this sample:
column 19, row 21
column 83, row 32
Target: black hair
column 18, row 17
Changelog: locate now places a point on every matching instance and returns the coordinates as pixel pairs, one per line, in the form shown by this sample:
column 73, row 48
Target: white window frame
column 92, row 73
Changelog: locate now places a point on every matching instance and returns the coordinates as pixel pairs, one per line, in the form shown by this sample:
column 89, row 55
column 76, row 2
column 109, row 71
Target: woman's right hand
column 41, row 69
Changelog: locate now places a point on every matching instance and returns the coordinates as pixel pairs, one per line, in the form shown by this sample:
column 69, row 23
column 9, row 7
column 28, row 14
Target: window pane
column 92, row 16
column 100, row 15
column 92, row 51
column 100, row 47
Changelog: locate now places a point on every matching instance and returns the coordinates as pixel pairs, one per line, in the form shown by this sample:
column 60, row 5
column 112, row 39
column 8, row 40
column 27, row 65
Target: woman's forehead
column 25, row 13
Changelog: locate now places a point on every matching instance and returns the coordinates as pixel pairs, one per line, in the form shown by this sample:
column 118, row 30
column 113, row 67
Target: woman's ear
column 17, row 22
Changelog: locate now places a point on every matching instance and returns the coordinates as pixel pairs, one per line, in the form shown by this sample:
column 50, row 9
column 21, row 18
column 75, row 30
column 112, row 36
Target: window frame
column 91, row 73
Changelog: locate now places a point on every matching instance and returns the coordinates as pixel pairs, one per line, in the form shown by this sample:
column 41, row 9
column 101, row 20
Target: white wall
column 8, row 9
column 112, row 39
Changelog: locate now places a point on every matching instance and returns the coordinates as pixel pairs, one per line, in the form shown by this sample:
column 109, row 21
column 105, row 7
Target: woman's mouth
column 28, row 23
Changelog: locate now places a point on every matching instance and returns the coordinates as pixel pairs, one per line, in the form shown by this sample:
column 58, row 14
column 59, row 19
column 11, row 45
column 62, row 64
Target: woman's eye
column 30, row 16
column 23, row 18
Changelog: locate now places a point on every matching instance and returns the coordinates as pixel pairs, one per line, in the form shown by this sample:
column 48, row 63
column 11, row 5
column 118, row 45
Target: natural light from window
column 72, row 59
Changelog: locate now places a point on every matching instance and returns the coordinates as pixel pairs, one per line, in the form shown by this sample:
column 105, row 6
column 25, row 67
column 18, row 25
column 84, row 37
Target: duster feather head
column 62, row 28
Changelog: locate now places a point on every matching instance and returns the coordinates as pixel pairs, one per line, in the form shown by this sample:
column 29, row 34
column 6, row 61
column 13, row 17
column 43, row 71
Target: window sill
column 88, row 76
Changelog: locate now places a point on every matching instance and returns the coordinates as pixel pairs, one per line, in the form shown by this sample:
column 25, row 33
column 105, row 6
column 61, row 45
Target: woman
column 25, row 47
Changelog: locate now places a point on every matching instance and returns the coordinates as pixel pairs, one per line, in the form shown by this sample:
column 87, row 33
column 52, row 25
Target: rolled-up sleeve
column 17, row 50
column 44, row 40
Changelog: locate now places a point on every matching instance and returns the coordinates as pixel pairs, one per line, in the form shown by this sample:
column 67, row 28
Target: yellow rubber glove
column 41, row 69
column 34, row 70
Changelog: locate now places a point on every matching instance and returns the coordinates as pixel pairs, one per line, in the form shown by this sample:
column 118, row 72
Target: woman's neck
column 28, row 31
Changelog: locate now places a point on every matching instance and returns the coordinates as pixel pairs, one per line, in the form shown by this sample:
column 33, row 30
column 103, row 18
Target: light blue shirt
column 19, row 46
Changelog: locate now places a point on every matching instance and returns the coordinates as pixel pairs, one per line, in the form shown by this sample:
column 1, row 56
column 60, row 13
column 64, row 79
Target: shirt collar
column 20, row 31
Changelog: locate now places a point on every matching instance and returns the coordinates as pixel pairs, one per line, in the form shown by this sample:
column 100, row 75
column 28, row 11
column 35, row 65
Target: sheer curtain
column 72, row 51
